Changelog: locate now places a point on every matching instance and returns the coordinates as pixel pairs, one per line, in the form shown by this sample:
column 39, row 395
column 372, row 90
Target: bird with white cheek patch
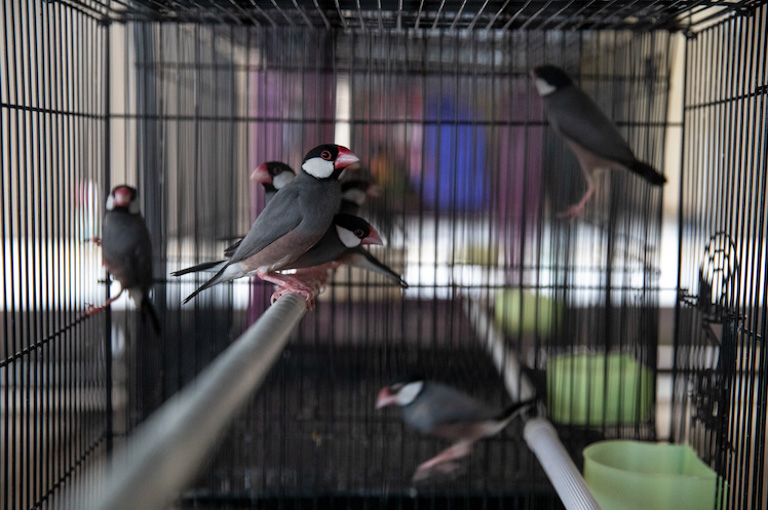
column 347, row 233
column 292, row 222
column 126, row 250
column 594, row 139
column 442, row 411
column 273, row 176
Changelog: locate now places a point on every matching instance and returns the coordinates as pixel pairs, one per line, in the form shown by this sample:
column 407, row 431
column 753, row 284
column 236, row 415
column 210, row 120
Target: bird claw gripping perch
column 309, row 296
column 307, row 282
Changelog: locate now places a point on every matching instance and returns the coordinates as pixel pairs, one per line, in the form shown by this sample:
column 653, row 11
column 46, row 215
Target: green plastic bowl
column 578, row 394
column 633, row 475
column 523, row 312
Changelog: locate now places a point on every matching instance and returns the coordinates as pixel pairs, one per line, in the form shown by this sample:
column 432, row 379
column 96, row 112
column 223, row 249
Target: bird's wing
column 578, row 118
column 448, row 405
column 279, row 217
column 143, row 255
column 327, row 249
column 232, row 248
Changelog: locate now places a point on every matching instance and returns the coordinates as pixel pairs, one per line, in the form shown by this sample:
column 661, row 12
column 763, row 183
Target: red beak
column 345, row 158
column 261, row 174
column 385, row 398
column 122, row 197
column 373, row 238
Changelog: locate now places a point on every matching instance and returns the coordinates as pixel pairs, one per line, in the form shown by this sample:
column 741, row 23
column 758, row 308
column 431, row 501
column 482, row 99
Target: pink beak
column 373, row 238
column 261, row 174
column 345, row 158
column 122, row 197
column 385, row 398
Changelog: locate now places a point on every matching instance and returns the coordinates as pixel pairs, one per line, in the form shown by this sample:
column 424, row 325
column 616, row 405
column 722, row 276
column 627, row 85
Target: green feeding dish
column 522, row 312
column 633, row 475
column 598, row 389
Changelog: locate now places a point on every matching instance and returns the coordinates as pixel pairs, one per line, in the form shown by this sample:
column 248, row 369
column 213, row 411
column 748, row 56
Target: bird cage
column 506, row 298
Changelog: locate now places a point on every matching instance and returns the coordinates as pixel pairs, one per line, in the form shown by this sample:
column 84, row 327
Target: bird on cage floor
column 295, row 219
column 592, row 137
column 442, row 411
column 126, row 251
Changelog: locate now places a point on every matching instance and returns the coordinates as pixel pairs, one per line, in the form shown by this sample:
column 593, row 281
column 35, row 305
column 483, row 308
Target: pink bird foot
column 457, row 451
column 576, row 209
column 93, row 309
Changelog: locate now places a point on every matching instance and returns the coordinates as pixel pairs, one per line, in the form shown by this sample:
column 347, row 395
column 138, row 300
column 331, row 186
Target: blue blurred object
column 454, row 171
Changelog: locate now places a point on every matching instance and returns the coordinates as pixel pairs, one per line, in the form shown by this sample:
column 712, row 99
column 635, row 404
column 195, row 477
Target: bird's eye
column 359, row 233
column 326, row 155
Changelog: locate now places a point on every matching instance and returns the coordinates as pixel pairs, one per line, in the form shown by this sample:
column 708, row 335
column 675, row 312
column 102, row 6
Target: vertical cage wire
column 719, row 378
column 54, row 365
column 471, row 180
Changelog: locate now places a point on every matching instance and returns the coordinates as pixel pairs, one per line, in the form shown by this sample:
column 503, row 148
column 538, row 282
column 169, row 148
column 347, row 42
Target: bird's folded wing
column 279, row 217
column 579, row 119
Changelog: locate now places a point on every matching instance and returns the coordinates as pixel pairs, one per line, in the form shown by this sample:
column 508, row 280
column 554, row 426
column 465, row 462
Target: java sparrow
column 347, row 233
column 294, row 220
column 442, row 411
column 355, row 190
column 126, row 250
column 273, row 176
column 592, row 137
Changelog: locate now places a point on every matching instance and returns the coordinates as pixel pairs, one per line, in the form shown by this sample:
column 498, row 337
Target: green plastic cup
column 634, row 475
column 578, row 393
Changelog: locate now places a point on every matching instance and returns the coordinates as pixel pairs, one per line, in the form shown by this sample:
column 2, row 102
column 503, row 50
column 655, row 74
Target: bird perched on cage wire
column 592, row 137
column 292, row 222
column 126, row 251
column 442, row 411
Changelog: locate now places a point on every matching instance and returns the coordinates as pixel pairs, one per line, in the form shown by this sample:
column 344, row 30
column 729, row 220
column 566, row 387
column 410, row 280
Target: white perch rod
column 540, row 435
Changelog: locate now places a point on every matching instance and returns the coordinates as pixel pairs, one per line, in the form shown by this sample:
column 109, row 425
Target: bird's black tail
column 363, row 259
column 232, row 249
column 196, row 269
column 515, row 408
column 148, row 309
column 222, row 275
column 648, row 173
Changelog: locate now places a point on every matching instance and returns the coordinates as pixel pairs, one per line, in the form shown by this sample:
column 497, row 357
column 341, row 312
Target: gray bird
column 126, row 251
column 442, row 411
column 355, row 190
column 292, row 222
column 594, row 139
column 347, row 233
column 273, row 176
